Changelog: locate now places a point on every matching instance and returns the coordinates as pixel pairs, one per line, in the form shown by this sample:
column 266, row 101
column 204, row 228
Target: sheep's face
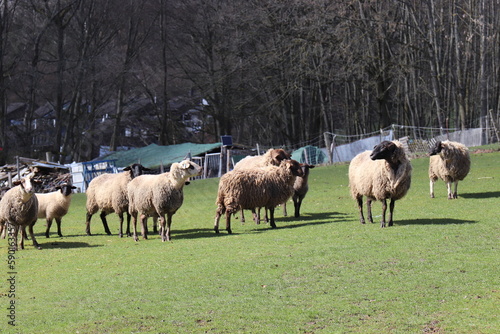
column 294, row 167
column 189, row 169
column 27, row 184
column 136, row 169
column 384, row 151
column 436, row 149
column 66, row 189
column 278, row 155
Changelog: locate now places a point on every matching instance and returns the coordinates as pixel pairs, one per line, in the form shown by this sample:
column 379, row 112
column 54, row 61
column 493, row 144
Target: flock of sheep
column 255, row 182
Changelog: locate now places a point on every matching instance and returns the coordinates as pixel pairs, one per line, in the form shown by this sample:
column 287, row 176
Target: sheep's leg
column 384, row 209
column 58, row 222
column 369, row 202
column 155, row 225
column 256, row 216
column 144, row 228
column 391, row 210
column 120, row 233
column 105, row 223
column 432, row 188
column 297, row 202
column 128, row 225
column 271, row 215
column 49, row 224
column 134, row 225
column 448, row 186
column 32, row 235
column 228, row 222
column 87, row 222
column 284, row 208
column 220, row 211
column 169, row 223
column 243, row 216
column 14, row 231
column 455, row 193
column 359, row 199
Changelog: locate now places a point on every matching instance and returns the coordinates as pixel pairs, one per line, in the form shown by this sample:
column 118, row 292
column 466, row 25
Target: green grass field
column 435, row 271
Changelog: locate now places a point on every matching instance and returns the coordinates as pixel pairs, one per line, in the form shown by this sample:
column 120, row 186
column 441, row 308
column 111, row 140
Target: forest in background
column 273, row 72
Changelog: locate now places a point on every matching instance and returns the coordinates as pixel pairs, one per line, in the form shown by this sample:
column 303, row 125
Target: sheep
column 300, row 187
column 18, row 208
column 253, row 188
column 379, row 175
column 55, row 205
column 271, row 157
column 450, row 162
column 157, row 195
column 108, row 193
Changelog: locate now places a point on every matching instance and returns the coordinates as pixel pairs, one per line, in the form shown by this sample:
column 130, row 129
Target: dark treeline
column 272, row 72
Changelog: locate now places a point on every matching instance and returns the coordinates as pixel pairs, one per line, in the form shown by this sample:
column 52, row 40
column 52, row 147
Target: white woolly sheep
column 300, row 189
column 271, row 157
column 379, row 175
column 450, row 162
column 254, row 188
column 18, row 208
column 108, row 193
column 55, row 205
column 157, row 195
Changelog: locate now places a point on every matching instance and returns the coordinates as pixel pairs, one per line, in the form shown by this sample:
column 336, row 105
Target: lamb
column 271, row 157
column 157, row 195
column 261, row 187
column 18, row 208
column 108, row 193
column 300, row 187
column 379, row 175
column 55, row 205
column 450, row 162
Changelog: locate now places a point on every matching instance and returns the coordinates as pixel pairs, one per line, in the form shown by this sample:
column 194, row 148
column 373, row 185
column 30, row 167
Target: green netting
column 310, row 154
column 153, row 156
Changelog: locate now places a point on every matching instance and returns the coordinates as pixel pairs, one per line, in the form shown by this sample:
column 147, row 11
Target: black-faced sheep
column 159, row 195
column 108, row 193
column 55, row 205
column 273, row 157
column 379, row 175
column 300, row 187
column 450, row 162
column 254, row 188
column 18, row 209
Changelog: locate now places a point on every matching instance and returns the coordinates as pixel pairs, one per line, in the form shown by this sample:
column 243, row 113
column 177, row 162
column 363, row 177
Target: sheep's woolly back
column 53, row 204
column 451, row 164
column 108, row 192
column 163, row 193
column 18, row 208
column 248, row 189
column 271, row 157
column 377, row 179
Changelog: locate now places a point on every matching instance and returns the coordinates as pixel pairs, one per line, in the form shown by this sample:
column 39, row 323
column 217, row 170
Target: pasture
column 435, row 271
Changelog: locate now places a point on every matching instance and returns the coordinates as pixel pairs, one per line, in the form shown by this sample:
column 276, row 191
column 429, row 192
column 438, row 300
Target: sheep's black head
column 385, row 150
column 136, row 169
column 436, row 149
column 66, row 189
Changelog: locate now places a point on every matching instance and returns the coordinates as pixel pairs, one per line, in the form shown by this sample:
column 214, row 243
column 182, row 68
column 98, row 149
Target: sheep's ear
column 73, row 187
column 16, row 183
column 127, row 168
column 185, row 164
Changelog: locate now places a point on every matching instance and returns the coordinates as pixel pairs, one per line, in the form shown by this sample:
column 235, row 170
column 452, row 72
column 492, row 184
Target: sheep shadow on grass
column 66, row 244
column 307, row 220
column 490, row 194
column 434, row 221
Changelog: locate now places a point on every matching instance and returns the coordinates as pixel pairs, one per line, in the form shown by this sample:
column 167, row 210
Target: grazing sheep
column 379, row 175
column 254, row 188
column 55, row 205
column 271, row 157
column 18, row 208
column 450, row 162
column 157, row 195
column 300, row 187
column 108, row 193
